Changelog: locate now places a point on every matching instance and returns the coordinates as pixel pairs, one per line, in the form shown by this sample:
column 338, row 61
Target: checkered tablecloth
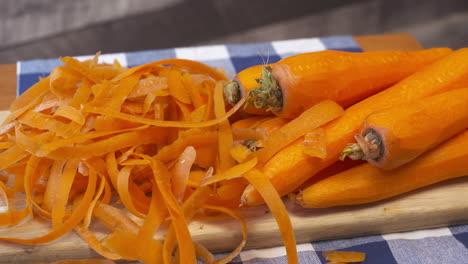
column 429, row 246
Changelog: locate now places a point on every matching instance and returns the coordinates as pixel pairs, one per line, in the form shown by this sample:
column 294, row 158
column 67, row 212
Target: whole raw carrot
column 290, row 167
column 294, row 84
column 396, row 136
column 366, row 183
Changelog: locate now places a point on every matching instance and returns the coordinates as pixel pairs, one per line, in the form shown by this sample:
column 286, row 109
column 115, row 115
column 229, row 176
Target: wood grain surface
column 434, row 206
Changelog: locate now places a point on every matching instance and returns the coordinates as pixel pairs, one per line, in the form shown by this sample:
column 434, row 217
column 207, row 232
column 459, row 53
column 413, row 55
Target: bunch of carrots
column 172, row 139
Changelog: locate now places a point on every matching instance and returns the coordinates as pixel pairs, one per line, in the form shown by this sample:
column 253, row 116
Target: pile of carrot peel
column 99, row 142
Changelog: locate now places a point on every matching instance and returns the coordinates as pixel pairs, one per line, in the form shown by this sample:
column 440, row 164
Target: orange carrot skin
column 249, row 122
column 246, row 80
column 408, row 131
column 344, row 77
column 366, row 183
column 289, row 168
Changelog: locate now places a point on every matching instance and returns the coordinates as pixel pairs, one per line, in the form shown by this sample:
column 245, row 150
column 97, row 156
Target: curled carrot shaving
column 180, row 172
column 229, row 257
column 344, row 256
column 233, row 172
column 225, row 138
column 123, row 179
column 162, row 177
column 94, row 243
column 159, row 123
column 273, row 200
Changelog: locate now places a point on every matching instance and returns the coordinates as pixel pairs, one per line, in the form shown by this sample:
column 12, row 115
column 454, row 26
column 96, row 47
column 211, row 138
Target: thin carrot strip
column 175, row 85
column 180, row 172
column 3, row 193
column 160, row 123
column 53, row 183
column 82, row 94
column 233, row 172
column 310, row 119
column 314, row 143
column 146, row 136
column 195, row 67
column 106, row 198
column 191, row 137
column 122, row 187
column 198, row 114
column 149, row 99
column 229, row 257
column 162, row 176
column 10, row 156
column 155, row 216
column 6, row 145
column 59, row 143
column 115, row 219
column 148, row 252
column 31, row 95
column 196, row 200
column 276, row 205
column 225, row 137
column 113, row 97
column 70, row 113
column 203, row 253
column 94, row 243
column 209, row 90
column 80, row 67
column 46, row 122
column 87, row 219
column 148, row 86
column 31, row 143
column 63, row 192
column 63, row 81
column 135, row 162
column 344, row 256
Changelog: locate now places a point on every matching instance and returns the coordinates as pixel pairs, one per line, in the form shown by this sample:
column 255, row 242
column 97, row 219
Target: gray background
column 50, row 28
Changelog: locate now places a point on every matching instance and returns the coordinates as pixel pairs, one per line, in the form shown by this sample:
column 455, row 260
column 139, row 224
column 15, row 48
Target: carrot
column 289, row 168
column 396, row 136
column 312, row 118
column 366, row 183
column 294, row 84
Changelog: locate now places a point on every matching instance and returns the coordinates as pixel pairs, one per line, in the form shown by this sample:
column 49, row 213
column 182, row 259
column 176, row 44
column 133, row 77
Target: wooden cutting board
column 442, row 204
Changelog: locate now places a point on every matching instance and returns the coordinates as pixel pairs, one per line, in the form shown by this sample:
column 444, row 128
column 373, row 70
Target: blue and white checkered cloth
column 429, row 246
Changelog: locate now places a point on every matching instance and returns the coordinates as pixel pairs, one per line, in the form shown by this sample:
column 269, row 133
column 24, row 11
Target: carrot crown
column 268, row 94
column 368, row 147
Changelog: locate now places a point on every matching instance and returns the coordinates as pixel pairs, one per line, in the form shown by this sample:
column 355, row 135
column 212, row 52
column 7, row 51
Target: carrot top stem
column 268, row 94
column 232, row 92
column 368, row 147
